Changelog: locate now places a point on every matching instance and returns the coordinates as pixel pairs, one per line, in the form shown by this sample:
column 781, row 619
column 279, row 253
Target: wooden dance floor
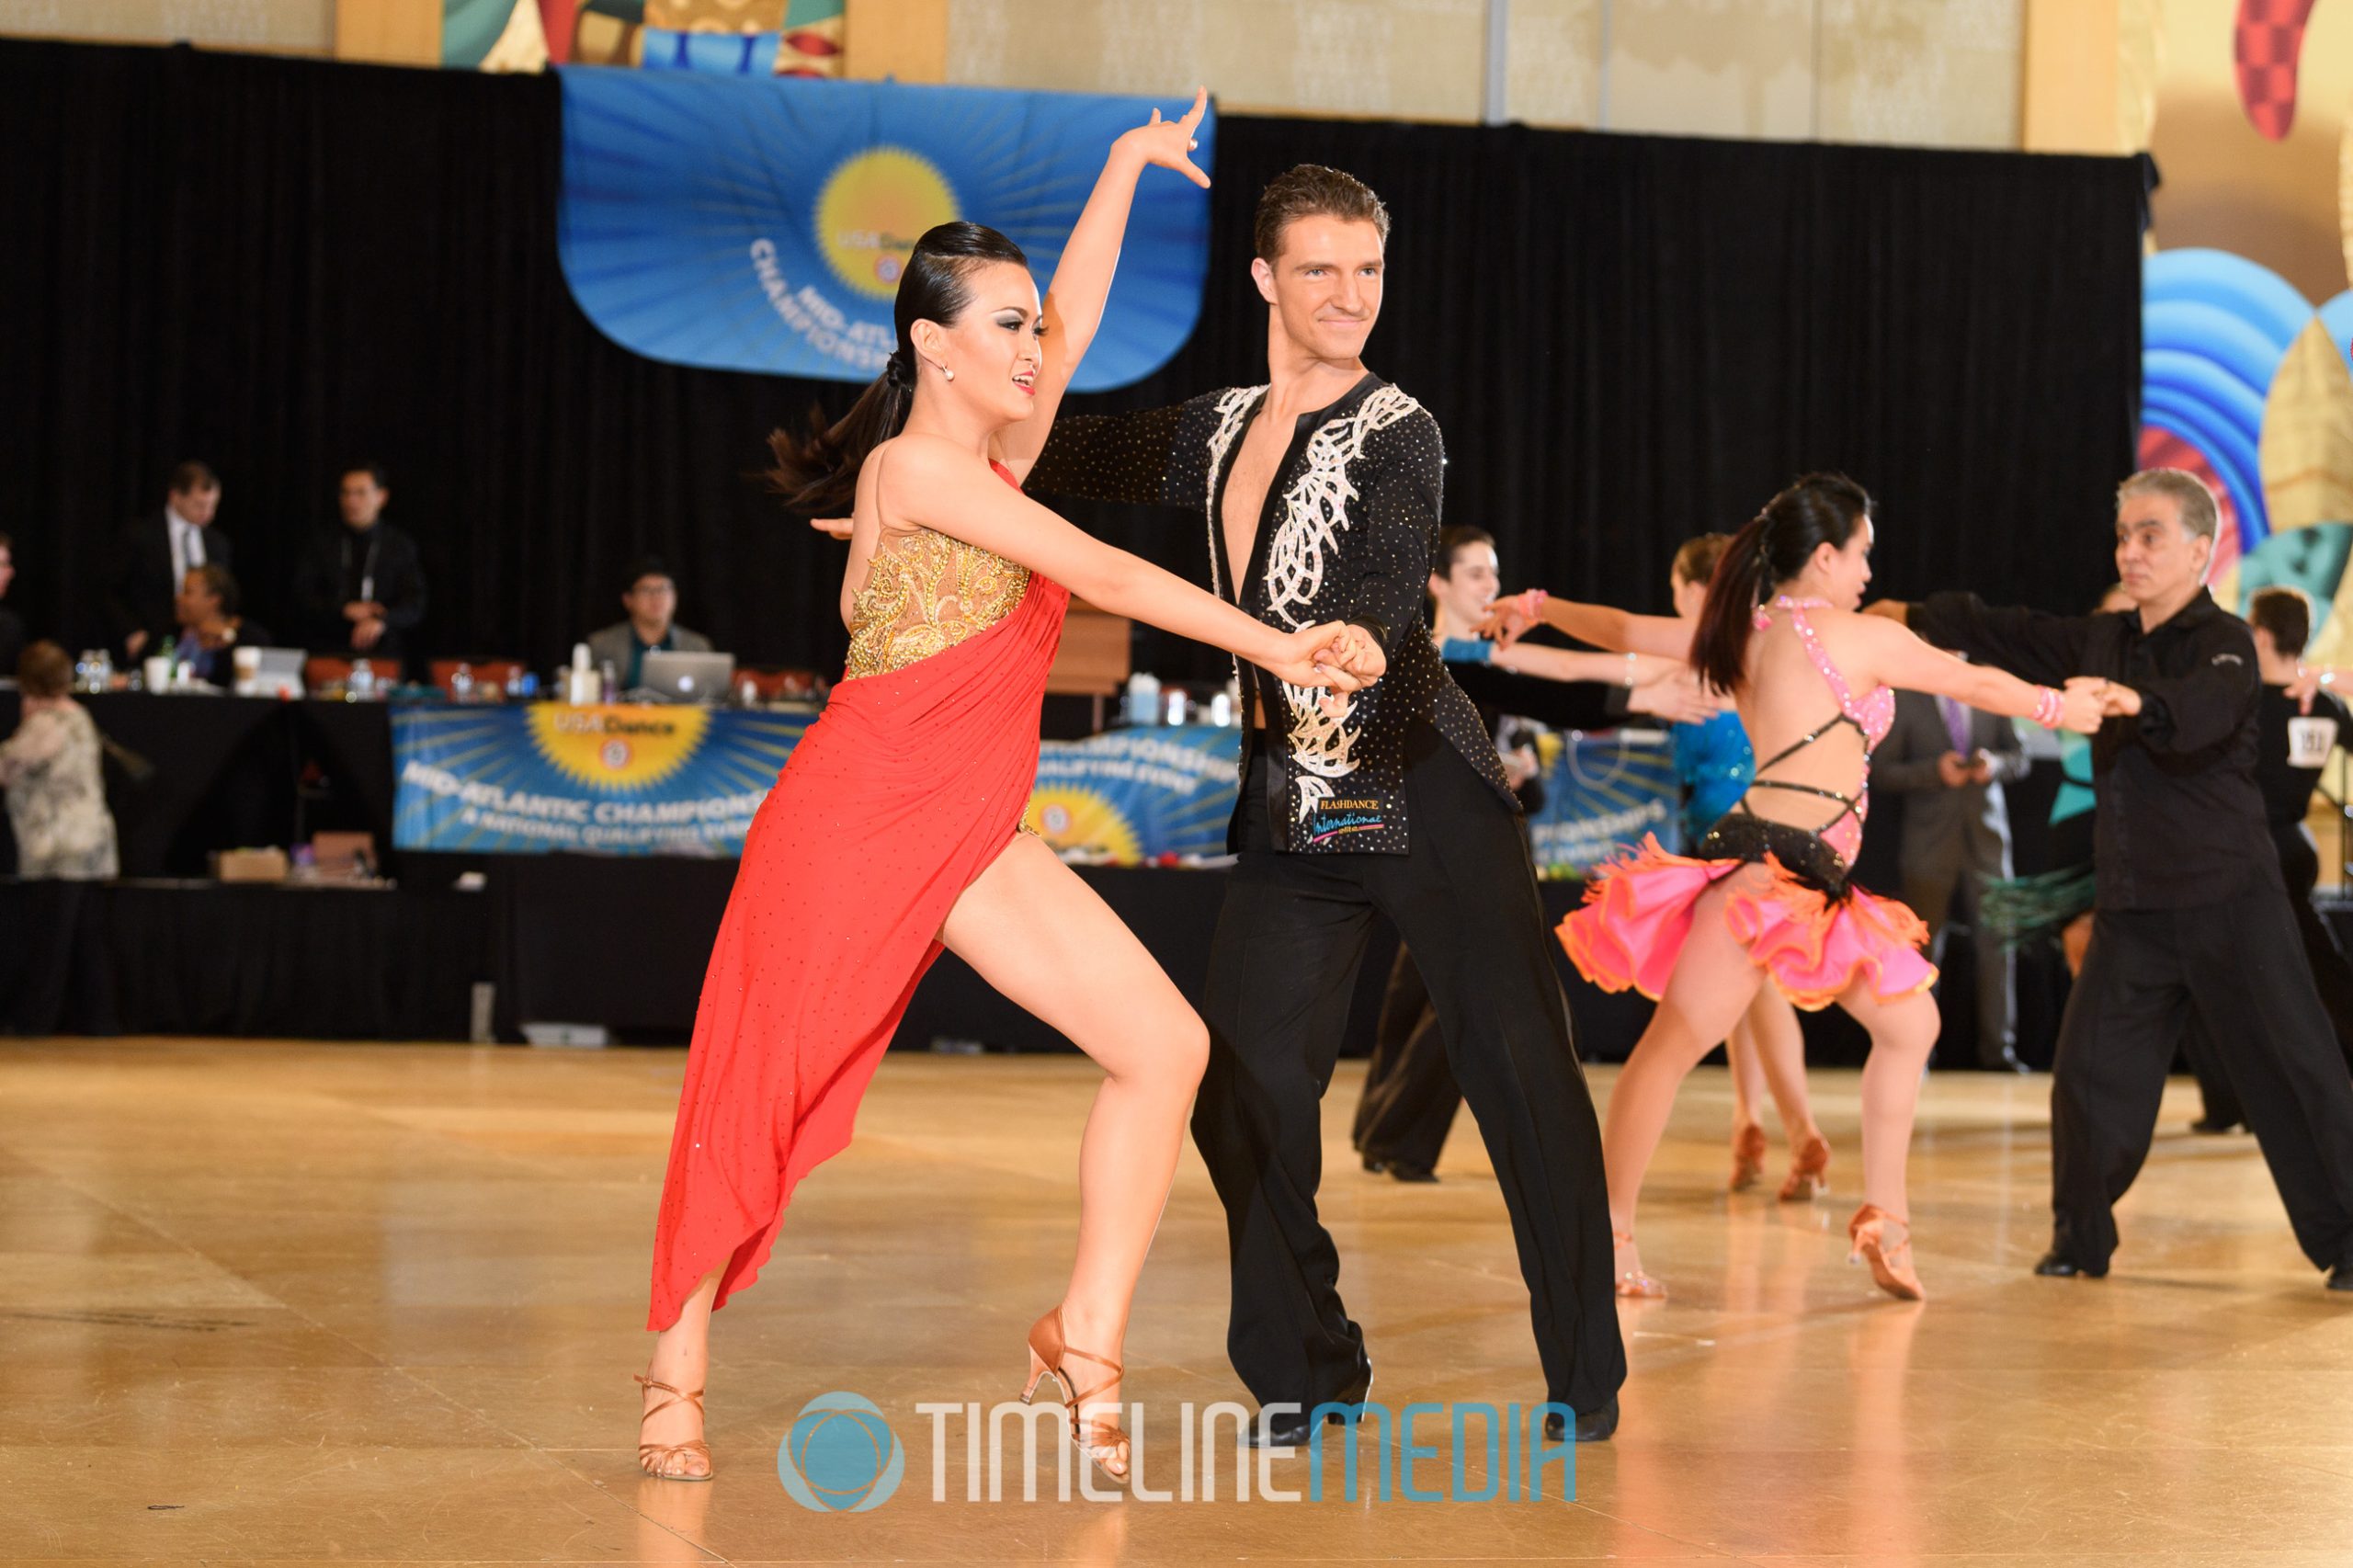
column 374, row 1304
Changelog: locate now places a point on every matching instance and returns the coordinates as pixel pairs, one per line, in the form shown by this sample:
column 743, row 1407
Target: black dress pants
column 1282, row 967
column 1410, row 1096
column 2237, row 969
column 2299, row 869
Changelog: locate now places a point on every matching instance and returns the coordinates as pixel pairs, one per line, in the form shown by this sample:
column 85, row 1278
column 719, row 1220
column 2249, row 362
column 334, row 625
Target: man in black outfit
column 152, row 556
column 362, row 588
column 2193, row 918
column 1321, row 491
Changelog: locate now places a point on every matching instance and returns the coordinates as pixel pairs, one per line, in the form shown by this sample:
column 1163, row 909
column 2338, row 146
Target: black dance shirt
column 1347, row 533
column 2181, row 821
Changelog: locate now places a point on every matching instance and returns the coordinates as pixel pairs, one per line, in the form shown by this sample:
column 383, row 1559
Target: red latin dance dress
column 1812, row 931
column 906, row 790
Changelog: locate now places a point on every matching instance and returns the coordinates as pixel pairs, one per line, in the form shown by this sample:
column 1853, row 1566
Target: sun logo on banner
column 1081, row 819
column 617, row 749
column 873, row 210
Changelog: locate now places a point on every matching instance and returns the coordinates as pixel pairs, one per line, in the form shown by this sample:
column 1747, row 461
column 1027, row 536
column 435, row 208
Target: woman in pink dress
column 1765, row 894
column 892, row 833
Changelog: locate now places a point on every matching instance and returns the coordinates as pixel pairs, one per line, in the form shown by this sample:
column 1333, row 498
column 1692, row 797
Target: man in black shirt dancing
column 1321, row 491
column 2193, row 918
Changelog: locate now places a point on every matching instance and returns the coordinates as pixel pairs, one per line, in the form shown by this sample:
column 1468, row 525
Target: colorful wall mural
column 2247, row 295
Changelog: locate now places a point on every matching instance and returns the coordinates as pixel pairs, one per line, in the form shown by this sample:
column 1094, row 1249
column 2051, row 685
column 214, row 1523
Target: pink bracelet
column 1532, row 603
column 2048, row 706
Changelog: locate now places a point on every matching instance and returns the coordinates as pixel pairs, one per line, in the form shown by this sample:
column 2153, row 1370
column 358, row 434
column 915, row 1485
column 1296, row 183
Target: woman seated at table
column 57, row 799
column 209, row 628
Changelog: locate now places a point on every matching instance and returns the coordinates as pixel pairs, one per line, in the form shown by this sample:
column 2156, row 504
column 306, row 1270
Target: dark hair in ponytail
column 1821, row 508
column 817, row 472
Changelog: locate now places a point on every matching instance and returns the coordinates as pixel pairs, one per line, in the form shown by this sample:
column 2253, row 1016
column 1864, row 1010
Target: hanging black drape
column 282, row 267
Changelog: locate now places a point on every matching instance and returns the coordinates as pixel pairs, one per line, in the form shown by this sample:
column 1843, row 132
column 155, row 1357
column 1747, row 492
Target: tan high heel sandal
column 1098, row 1436
column 1747, row 1157
column 1891, row 1261
column 1632, row 1283
column 656, row 1459
column 1809, row 1170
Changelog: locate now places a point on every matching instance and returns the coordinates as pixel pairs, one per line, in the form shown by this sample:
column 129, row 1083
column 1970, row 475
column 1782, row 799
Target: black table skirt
column 287, row 962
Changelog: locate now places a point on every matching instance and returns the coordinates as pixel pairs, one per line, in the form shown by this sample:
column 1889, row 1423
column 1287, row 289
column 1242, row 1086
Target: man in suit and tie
column 153, row 554
column 1949, row 763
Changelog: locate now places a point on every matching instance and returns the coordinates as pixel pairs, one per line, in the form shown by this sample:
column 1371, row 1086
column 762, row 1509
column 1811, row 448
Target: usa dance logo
column 842, row 1456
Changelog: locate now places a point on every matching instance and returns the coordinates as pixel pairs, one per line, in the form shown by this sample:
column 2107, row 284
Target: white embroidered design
column 1233, row 413
column 1315, row 513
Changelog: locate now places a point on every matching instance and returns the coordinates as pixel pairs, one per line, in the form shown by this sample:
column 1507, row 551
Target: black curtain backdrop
column 282, row 267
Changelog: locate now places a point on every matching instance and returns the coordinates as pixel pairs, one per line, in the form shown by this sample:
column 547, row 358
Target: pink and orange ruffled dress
column 1814, row 932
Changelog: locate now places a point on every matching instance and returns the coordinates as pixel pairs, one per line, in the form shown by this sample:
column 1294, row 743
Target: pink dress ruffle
column 1638, row 911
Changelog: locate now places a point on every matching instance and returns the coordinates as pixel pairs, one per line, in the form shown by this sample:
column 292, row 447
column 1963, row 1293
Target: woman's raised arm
column 1074, row 306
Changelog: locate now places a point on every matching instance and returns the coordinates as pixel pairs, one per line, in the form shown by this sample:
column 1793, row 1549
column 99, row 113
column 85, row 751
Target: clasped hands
column 2114, row 701
column 1336, row 656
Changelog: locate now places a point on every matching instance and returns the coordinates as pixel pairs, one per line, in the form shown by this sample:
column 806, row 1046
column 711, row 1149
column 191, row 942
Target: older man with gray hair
column 2193, row 918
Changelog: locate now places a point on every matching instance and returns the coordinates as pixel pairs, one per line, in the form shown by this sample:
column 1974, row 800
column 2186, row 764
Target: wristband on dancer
column 2048, row 706
column 1530, row 604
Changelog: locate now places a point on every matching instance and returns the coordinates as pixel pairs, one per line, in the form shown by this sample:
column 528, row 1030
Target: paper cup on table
column 157, row 672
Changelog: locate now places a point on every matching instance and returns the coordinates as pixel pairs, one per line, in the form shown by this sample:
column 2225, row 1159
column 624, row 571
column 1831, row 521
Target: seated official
column 209, row 629
column 651, row 598
column 50, row 768
column 362, row 587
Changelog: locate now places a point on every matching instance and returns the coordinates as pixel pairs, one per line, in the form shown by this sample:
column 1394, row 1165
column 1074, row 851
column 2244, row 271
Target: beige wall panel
column 1712, row 67
column 391, row 32
column 1415, row 59
column 293, row 26
column 902, row 38
column 1924, row 73
column 1553, row 63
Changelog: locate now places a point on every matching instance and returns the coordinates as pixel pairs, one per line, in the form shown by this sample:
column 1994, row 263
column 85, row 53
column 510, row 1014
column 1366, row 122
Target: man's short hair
column 2188, row 492
column 220, row 583
column 192, row 478
column 646, row 566
column 1311, row 190
column 2286, row 614
column 374, row 471
column 1453, row 541
column 1695, row 560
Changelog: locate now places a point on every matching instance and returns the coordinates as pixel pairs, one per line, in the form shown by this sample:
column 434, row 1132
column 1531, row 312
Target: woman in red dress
column 892, row 833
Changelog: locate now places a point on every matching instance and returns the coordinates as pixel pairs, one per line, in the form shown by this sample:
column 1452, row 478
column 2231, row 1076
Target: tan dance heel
column 1809, row 1171
column 1098, row 1436
column 657, row 1459
column 1891, row 1261
column 1747, row 1157
column 1631, row 1282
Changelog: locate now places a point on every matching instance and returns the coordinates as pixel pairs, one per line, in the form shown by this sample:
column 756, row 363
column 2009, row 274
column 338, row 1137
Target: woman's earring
column 949, row 373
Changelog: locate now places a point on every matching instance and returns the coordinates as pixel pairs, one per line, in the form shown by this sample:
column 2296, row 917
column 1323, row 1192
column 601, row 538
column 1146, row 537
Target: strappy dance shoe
column 1809, row 1171
column 1891, row 1260
column 660, row 1459
column 1747, row 1157
column 1098, row 1436
column 1627, row 1263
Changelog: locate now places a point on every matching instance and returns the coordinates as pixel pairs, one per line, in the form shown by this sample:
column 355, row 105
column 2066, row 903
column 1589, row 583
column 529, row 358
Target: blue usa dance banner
column 1602, row 794
column 762, row 224
column 1134, row 796
column 616, row 779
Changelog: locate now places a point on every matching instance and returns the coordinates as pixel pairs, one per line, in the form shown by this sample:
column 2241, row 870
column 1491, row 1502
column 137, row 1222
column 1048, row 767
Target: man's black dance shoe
column 1290, row 1429
column 1593, row 1426
column 2057, row 1265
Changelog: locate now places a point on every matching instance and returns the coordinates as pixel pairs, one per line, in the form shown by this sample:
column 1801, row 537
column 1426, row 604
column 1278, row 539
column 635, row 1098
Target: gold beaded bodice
column 925, row 593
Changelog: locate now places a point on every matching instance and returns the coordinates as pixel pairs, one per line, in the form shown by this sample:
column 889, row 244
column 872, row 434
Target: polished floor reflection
column 287, row 1302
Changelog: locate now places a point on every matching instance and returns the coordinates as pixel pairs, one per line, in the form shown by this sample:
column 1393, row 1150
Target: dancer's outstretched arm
column 1616, row 630
column 1893, row 656
column 929, row 482
column 1074, row 305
